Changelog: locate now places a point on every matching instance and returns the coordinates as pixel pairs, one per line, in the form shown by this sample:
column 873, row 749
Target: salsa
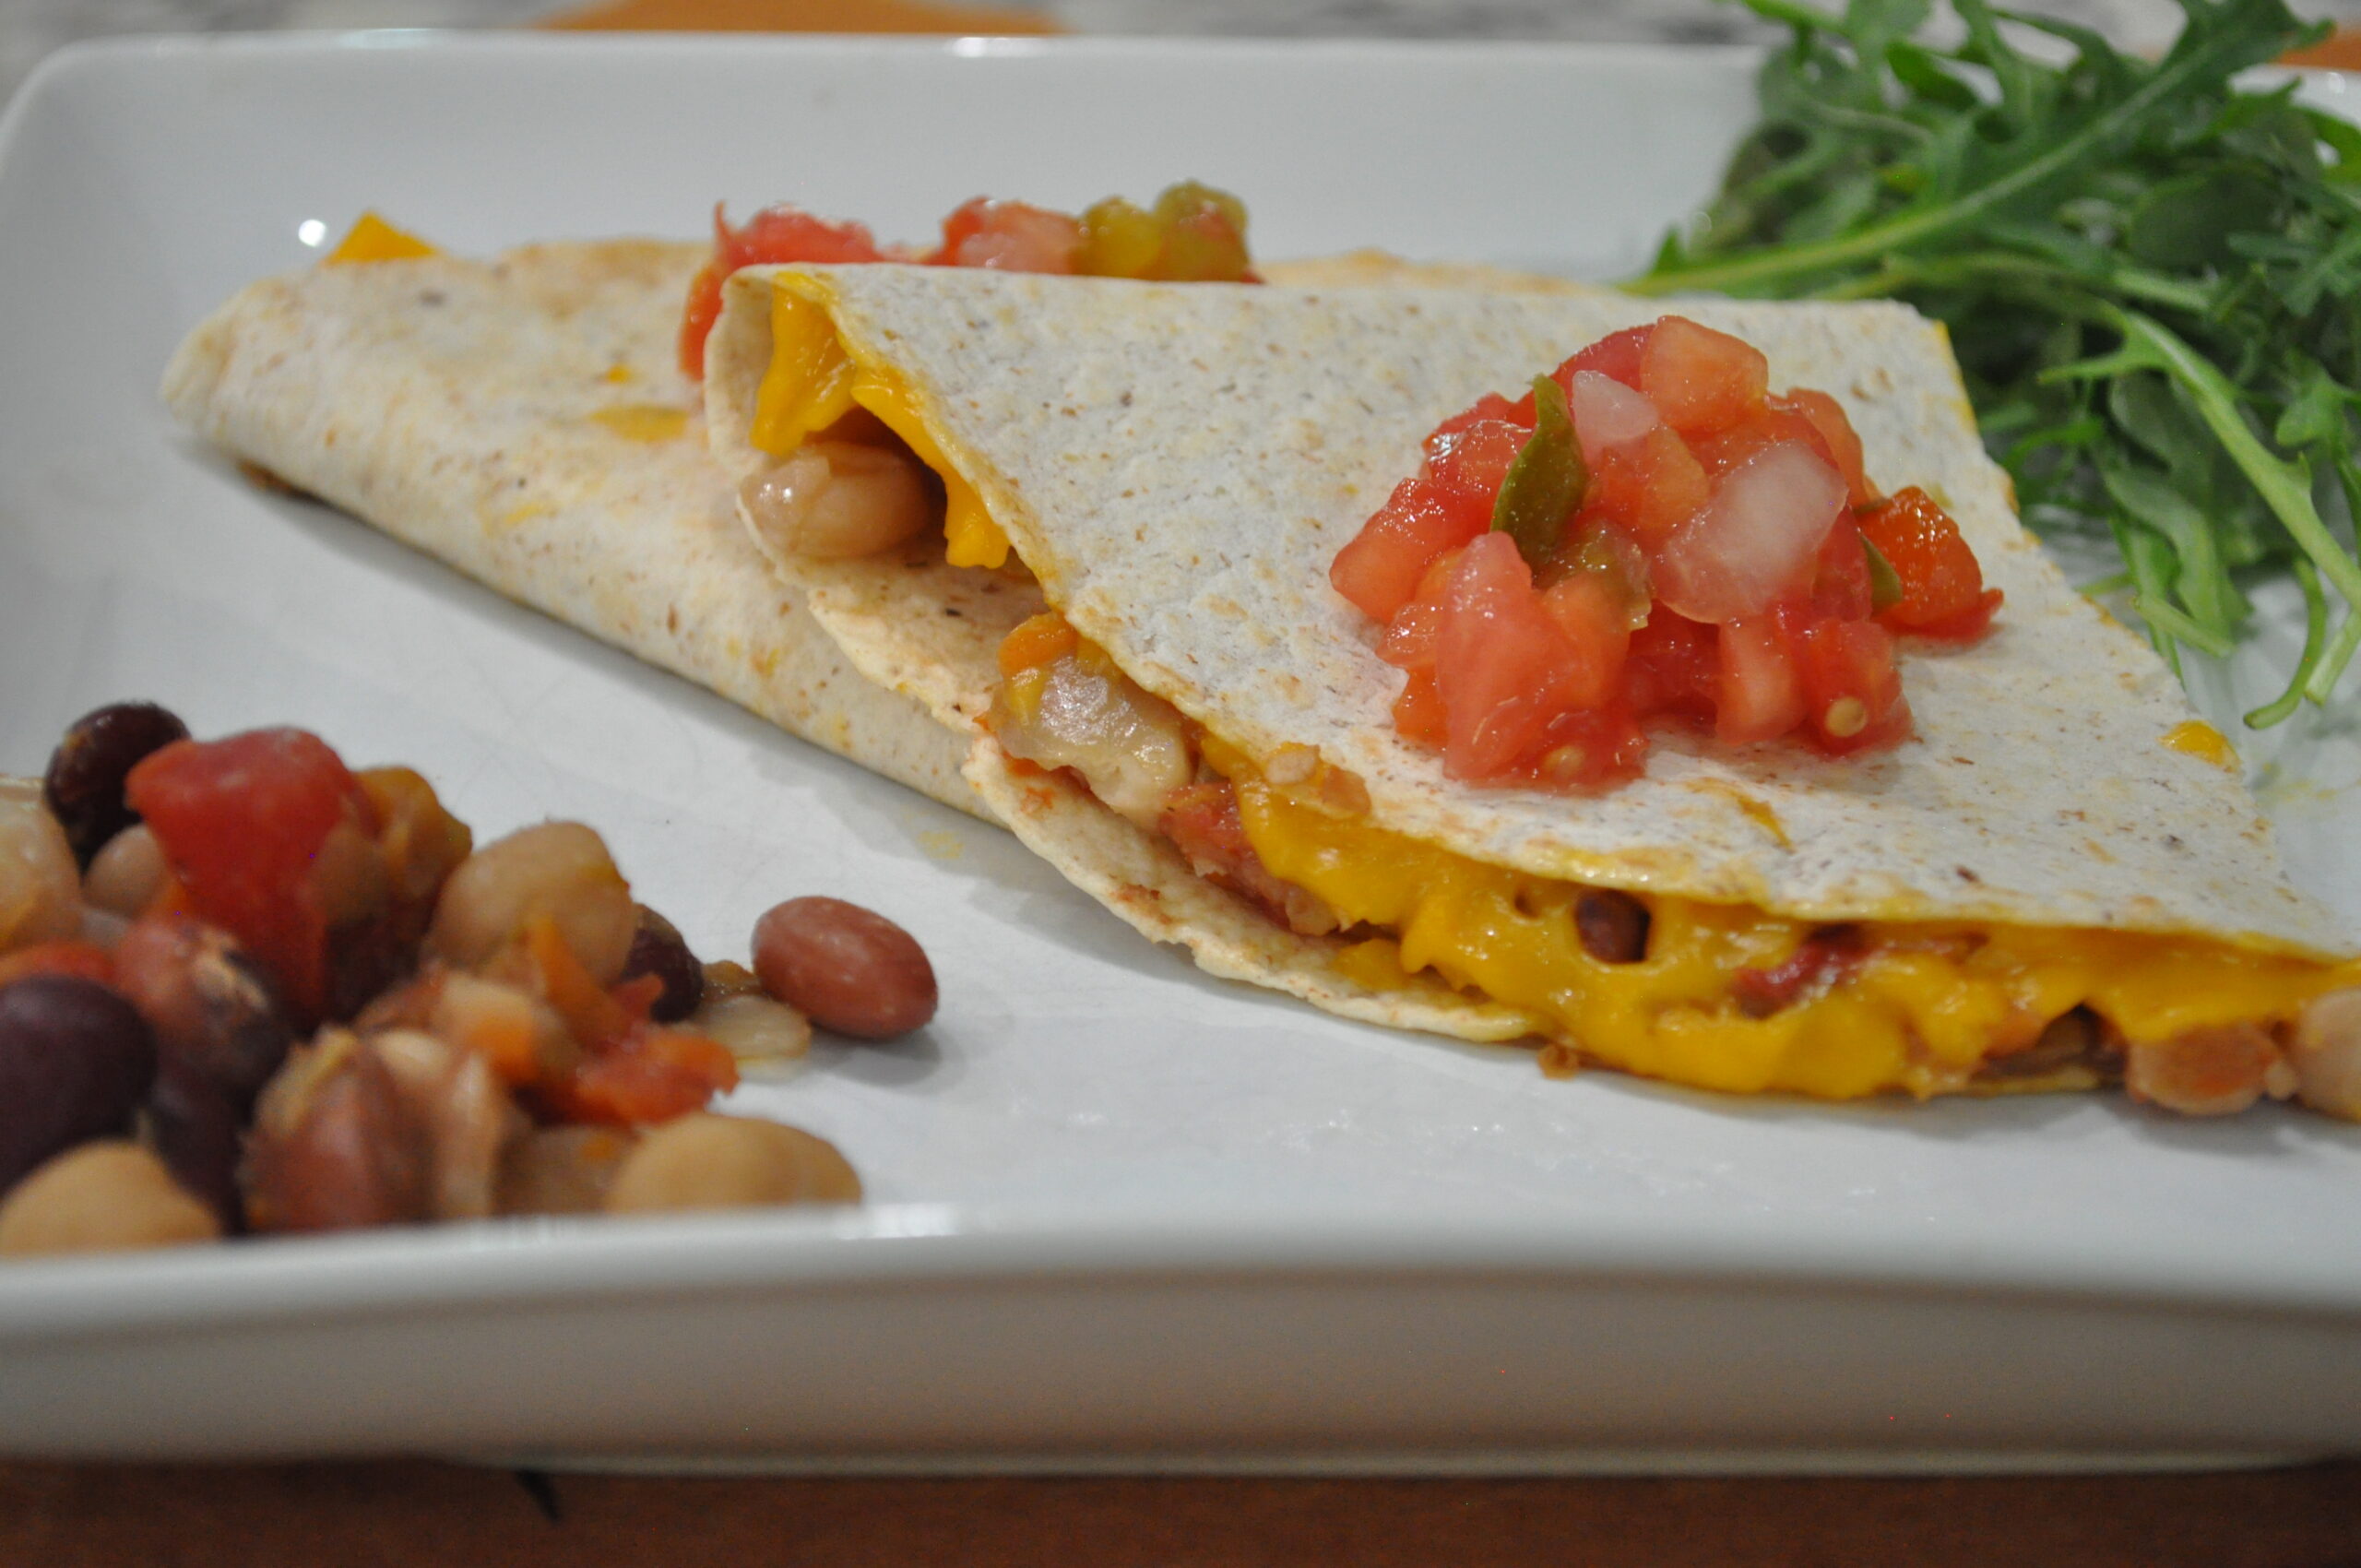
column 1193, row 234
column 1650, row 534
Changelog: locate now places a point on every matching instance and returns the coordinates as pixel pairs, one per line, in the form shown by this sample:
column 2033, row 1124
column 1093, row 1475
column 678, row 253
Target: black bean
column 76, row 1059
column 1614, row 926
column 658, row 948
column 197, row 1132
column 84, row 787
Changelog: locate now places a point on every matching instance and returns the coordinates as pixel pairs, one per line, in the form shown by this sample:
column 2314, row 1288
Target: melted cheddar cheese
column 1925, row 1006
column 813, row 380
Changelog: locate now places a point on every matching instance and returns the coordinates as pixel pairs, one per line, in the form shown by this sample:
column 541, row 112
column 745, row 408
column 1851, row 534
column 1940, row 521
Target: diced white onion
column 1608, row 413
column 1755, row 539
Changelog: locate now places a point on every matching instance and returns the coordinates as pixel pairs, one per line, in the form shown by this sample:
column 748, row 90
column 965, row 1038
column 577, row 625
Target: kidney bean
column 197, row 1132
column 212, row 1006
column 84, row 786
column 102, row 1197
column 74, row 1061
column 706, row 1162
column 851, row 970
column 659, row 949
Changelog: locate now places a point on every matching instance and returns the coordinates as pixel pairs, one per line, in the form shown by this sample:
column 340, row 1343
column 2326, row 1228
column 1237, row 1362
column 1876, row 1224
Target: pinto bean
column 335, row 1146
column 852, row 970
column 2326, row 1056
column 1613, row 926
column 838, row 500
column 211, row 1004
column 102, row 1197
column 2208, row 1072
column 707, row 1162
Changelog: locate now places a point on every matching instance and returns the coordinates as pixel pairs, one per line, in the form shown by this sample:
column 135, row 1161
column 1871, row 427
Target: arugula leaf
column 2151, row 278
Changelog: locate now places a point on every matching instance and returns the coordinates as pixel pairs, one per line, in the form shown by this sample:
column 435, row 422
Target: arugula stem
column 2308, row 577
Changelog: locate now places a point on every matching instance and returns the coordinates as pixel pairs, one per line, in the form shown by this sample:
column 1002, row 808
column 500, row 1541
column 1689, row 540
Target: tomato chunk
column 773, row 235
column 1009, row 236
column 1726, row 568
column 1380, row 569
column 1942, row 586
column 241, row 822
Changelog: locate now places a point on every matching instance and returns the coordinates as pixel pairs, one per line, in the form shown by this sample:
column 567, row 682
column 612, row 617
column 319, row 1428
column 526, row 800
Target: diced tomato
column 1380, row 569
column 1821, row 958
column 1408, row 642
column 1491, row 406
column 1201, row 820
column 1942, row 586
column 1647, row 488
column 1619, row 355
column 1674, row 667
column 82, row 960
column 1588, row 610
column 1852, row 692
column 1836, row 433
column 1587, row 748
column 653, row 1073
column 1468, row 467
column 1840, row 584
column 1730, row 447
column 1418, row 712
column 240, row 822
column 1699, row 379
column 1760, row 693
column 775, row 235
column 1503, row 664
column 1009, row 236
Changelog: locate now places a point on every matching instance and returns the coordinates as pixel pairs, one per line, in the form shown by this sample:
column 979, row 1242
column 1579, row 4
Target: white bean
column 102, row 1196
column 707, row 1162
column 40, row 886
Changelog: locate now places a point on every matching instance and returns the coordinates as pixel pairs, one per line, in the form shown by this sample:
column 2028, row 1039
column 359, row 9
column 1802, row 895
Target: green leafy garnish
column 1546, row 481
column 2150, row 275
column 1885, row 583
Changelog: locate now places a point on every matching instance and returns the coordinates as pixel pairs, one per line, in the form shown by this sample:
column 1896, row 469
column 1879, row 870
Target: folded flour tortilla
column 1177, row 467
column 525, row 419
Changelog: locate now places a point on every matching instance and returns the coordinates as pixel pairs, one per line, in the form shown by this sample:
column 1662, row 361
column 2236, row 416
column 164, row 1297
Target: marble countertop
column 31, row 28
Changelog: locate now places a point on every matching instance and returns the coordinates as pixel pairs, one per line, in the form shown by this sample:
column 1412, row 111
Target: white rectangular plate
column 1122, row 1213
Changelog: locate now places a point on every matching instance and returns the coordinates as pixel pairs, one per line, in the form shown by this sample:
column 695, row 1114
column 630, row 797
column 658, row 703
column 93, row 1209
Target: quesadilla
column 2053, row 881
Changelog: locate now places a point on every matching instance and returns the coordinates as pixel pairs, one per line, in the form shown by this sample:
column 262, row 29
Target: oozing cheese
column 812, row 381
column 1920, row 1012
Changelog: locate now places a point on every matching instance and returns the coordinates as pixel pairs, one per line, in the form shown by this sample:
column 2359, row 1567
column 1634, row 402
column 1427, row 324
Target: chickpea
column 562, row 1169
column 40, row 883
column 558, row 869
column 335, row 1146
column 836, row 500
column 103, row 1196
column 852, row 970
column 709, row 1161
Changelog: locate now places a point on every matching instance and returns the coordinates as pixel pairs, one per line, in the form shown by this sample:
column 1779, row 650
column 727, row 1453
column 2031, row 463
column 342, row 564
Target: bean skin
column 211, row 1005
column 852, row 970
column 84, row 786
column 76, row 1059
